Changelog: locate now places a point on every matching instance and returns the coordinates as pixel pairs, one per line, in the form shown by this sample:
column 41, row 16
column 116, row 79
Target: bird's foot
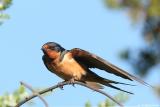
column 72, row 82
column 60, row 85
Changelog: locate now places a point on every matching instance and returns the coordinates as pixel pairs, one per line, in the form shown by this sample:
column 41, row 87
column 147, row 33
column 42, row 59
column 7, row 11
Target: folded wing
column 93, row 61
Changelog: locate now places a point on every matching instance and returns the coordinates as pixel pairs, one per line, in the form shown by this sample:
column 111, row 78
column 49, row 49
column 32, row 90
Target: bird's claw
column 72, row 82
column 60, row 85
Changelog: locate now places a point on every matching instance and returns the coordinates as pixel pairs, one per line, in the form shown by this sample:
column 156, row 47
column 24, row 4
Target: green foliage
column 123, row 3
column 4, row 4
column 137, row 9
column 8, row 100
column 134, row 7
column 154, row 8
column 4, row 16
column 88, row 104
column 112, row 4
column 121, row 97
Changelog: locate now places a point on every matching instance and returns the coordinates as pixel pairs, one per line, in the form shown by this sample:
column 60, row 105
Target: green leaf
column 88, row 104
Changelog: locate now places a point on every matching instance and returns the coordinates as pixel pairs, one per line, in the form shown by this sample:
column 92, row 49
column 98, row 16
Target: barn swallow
column 76, row 64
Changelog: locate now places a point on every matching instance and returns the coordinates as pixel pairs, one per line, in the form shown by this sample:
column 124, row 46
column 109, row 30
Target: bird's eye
column 52, row 48
column 55, row 48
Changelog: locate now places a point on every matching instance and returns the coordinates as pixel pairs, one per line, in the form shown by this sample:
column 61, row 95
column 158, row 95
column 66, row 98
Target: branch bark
column 60, row 85
column 35, row 92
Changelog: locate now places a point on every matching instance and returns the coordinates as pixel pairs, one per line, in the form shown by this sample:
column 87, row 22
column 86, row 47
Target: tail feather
column 139, row 80
column 112, row 86
column 108, row 83
column 115, row 82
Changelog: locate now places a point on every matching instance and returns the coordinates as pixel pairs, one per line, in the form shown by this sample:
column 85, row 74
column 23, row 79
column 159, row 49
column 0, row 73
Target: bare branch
column 60, row 85
column 34, row 92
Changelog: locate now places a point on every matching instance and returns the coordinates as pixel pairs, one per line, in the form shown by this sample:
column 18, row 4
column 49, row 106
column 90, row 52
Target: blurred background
column 124, row 32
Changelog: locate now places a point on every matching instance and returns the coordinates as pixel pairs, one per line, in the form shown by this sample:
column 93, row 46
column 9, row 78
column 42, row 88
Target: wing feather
column 93, row 61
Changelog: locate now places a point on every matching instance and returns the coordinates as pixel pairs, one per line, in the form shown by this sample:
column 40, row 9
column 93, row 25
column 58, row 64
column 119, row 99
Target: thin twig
column 63, row 84
column 35, row 92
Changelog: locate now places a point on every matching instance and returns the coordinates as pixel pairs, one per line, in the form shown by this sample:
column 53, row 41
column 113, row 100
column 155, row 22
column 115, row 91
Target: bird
column 76, row 64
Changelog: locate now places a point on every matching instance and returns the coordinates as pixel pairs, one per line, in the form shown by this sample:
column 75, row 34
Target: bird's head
column 52, row 49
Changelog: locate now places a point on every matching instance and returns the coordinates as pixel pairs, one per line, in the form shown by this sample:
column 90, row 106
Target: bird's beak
column 43, row 50
column 44, row 47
